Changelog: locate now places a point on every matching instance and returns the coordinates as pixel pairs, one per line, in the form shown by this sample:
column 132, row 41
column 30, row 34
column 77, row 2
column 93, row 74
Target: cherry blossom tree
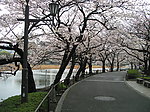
column 135, row 38
column 69, row 27
column 85, row 12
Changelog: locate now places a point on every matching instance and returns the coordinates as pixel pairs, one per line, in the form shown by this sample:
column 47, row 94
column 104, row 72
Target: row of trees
column 83, row 32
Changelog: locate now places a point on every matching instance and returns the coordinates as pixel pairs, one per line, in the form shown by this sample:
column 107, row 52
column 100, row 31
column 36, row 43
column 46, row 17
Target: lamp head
column 53, row 7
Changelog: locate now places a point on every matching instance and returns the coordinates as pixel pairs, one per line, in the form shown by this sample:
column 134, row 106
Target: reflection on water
column 12, row 85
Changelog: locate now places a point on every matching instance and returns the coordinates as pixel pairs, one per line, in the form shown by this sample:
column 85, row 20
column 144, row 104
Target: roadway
column 106, row 92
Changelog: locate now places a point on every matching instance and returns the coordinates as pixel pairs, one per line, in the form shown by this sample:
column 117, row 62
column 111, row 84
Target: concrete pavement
column 107, row 92
column 139, row 88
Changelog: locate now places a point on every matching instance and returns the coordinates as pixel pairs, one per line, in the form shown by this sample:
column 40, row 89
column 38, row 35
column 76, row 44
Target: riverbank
column 57, row 67
column 41, row 67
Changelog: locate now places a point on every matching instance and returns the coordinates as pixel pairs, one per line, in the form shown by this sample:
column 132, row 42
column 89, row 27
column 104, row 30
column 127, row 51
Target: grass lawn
column 13, row 104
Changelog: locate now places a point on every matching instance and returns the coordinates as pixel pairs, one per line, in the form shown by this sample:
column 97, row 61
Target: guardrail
column 52, row 97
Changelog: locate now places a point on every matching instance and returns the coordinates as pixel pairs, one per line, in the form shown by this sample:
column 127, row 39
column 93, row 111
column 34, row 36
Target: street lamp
column 53, row 7
column 24, row 86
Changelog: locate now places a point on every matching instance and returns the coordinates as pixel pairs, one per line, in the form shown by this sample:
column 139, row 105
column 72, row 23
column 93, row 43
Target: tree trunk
column 112, row 67
column 78, row 73
column 118, row 66
column 84, row 66
column 81, row 69
column 67, row 79
column 90, row 65
column 131, row 63
column 111, row 62
column 31, row 82
column 148, row 73
column 135, row 66
column 103, row 67
column 61, row 70
column 66, row 58
column 145, row 67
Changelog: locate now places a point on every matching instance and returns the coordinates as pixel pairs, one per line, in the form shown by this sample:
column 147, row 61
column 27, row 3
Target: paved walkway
column 107, row 92
column 139, row 88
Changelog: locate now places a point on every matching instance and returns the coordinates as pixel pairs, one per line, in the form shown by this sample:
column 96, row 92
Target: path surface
column 105, row 92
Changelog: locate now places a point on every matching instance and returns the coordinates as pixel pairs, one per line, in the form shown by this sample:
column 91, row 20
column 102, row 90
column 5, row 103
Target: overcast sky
column 3, row 10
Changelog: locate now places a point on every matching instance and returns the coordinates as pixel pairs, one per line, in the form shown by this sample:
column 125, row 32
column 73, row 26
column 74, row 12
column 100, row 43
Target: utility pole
column 24, row 86
column 53, row 11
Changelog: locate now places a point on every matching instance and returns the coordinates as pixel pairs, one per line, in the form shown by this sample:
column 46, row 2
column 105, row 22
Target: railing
column 50, row 99
column 49, row 102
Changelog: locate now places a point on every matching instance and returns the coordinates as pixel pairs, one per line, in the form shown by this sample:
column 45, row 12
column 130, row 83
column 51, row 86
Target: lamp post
column 24, row 86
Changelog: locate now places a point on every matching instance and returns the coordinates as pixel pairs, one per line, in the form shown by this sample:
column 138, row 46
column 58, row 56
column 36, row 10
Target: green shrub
column 13, row 104
column 148, row 78
column 132, row 74
column 145, row 78
column 62, row 86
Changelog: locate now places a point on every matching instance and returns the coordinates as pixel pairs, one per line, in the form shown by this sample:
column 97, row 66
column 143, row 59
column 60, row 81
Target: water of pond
column 11, row 85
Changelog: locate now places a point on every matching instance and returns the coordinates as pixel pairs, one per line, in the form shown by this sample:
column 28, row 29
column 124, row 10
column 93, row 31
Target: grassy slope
column 13, row 104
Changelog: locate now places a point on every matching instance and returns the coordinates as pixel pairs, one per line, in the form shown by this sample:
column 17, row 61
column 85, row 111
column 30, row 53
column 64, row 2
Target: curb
column 139, row 89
